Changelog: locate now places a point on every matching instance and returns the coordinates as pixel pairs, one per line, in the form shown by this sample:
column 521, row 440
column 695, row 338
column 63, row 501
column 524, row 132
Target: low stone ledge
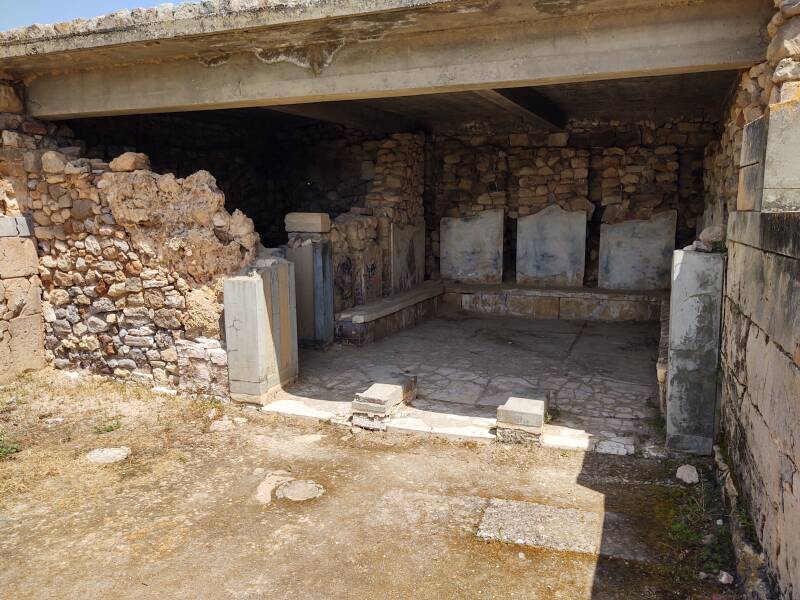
column 555, row 304
column 365, row 324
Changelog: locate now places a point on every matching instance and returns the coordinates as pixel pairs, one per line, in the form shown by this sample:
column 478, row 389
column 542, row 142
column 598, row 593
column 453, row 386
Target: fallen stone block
column 520, row 420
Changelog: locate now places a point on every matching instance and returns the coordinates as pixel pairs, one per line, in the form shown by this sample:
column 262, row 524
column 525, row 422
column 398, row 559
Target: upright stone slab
column 551, row 248
column 367, row 275
column 694, row 345
column 261, row 330
column 472, row 248
column 636, row 255
column 313, row 269
column 408, row 256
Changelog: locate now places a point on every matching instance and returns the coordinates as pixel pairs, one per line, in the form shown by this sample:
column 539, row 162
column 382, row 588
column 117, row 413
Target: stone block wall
column 613, row 171
column 760, row 371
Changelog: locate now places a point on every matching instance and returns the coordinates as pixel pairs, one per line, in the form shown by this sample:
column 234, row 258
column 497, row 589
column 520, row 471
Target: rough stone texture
column 636, row 255
column 107, row 456
column 551, row 248
column 130, row 161
column 693, row 364
column 472, row 248
column 182, row 223
column 130, row 263
column 10, row 102
column 782, row 168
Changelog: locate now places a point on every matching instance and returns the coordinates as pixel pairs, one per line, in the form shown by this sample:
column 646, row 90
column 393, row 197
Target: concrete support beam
column 664, row 39
column 529, row 105
column 354, row 116
column 694, row 346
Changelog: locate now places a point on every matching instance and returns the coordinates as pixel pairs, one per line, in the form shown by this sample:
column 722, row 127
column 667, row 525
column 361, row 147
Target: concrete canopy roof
column 212, row 30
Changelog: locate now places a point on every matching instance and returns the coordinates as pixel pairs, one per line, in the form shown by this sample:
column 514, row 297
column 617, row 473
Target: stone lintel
column 302, row 222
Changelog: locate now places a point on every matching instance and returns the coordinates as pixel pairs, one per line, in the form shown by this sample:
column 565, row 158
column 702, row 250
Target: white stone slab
column 472, row 248
column 637, row 255
column 407, row 256
column 551, row 248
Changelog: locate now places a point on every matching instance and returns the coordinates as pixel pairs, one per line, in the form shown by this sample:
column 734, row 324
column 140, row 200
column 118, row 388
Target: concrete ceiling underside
column 697, row 95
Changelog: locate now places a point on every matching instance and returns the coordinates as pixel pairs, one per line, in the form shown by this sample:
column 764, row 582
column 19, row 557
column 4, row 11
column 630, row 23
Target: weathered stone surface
column 263, row 494
column 526, row 412
column 17, row 257
column 10, row 102
column 782, row 163
column 687, row 474
column 551, row 248
column 53, row 162
column 299, row 490
column 636, row 255
column 184, row 224
column 130, row 161
column 786, row 43
column 563, row 529
column 472, row 248
column 107, row 456
column 695, row 308
column 382, row 398
column 308, row 222
column 408, row 256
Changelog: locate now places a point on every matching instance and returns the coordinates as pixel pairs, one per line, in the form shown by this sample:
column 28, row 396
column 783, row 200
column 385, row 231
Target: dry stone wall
column 612, row 171
column 130, row 262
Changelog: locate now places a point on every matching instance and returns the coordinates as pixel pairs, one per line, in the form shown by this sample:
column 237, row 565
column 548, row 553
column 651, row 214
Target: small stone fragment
column 687, row 474
column 264, row 490
column 221, row 425
column 107, row 456
column 300, row 490
column 725, row 578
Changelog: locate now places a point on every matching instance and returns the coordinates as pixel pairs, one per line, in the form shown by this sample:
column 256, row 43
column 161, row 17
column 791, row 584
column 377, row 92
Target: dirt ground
column 398, row 518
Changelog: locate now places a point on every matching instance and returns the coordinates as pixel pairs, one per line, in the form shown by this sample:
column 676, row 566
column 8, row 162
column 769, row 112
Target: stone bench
column 370, row 322
column 578, row 304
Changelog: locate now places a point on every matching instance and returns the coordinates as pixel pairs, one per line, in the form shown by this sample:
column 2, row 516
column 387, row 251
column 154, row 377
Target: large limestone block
column 694, row 344
column 782, row 162
column 261, row 330
column 472, row 248
column 25, row 346
column 636, row 255
column 408, row 256
column 17, row 257
column 308, row 222
column 551, row 248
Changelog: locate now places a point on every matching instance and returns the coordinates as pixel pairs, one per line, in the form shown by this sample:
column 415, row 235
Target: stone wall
column 760, row 387
column 613, row 171
column 130, row 262
column 290, row 166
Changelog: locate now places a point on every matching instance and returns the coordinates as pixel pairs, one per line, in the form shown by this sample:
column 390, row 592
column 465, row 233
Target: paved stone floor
column 601, row 376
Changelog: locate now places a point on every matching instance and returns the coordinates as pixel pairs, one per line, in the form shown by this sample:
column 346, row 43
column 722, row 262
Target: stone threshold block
column 373, row 407
column 520, row 420
column 307, row 222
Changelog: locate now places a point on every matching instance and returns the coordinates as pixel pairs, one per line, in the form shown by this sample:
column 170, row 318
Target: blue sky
column 17, row 13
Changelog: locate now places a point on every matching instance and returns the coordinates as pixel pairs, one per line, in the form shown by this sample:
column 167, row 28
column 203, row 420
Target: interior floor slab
column 601, row 377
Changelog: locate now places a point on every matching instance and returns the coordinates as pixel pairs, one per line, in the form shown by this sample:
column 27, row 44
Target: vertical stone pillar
column 311, row 254
column 261, row 330
column 21, row 326
column 694, row 346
